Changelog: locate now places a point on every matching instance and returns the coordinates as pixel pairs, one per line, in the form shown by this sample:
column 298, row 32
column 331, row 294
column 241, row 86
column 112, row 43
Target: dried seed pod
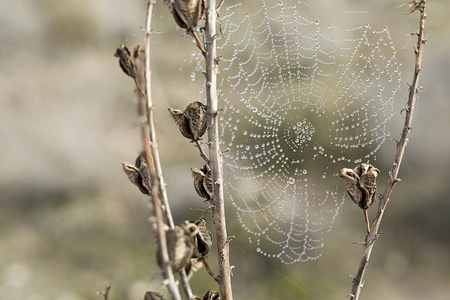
column 188, row 14
column 138, row 173
column 202, row 240
column 202, row 182
column 368, row 183
column 207, row 181
column 153, row 296
column 192, row 121
column 211, row 295
column 125, row 60
column 182, row 122
column 180, row 245
column 361, row 184
column 198, row 183
column 196, row 115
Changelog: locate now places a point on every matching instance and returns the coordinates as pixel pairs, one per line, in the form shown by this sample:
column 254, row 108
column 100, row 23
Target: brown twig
column 202, row 152
column 105, row 294
column 366, row 217
column 153, row 163
column 162, row 186
column 215, row 154
column 209, row 270
column 401, row 146
column 220, row 5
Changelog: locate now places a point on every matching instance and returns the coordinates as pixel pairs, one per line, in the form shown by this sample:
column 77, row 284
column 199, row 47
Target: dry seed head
column 211, row 295
column 198, row 183
column 188, row 13
column 138, row 174
column 202, row 240
column 180, row 245
column 361, row 184
column 196, row 115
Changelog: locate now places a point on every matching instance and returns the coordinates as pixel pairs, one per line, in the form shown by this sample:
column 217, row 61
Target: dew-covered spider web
column 302, row 98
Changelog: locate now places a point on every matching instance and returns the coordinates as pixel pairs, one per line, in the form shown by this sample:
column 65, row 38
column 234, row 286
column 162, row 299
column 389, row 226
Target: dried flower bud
column 138, row 173
column 180, row 245
column 196, row 115
column 361, row 184
column 125, row 60
column 211, row 295
column 153, row 296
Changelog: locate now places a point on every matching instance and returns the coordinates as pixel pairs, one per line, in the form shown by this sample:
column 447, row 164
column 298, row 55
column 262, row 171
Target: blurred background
column 71, row 223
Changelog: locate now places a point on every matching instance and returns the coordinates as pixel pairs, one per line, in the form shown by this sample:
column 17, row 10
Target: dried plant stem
column 155, row 200
column 401, row 146
column 215, row 154
column 219, row 6
column 159, row 184
column 366, row 217
column 209, row 270
column 202, row 153
column 148, row 72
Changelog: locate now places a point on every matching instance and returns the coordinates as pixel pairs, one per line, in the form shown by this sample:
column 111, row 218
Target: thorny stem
column 215, row 154
column 146, row 105
column 401, row 146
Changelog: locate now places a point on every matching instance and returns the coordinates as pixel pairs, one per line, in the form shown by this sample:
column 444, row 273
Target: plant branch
column 155, row 200
column 215, row 154
column 401, row 146
column 162, row 185
column 202, row 152
column 154, row 168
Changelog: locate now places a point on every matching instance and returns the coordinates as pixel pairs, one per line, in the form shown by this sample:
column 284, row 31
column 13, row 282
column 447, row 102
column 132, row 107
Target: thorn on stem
column 231, row 237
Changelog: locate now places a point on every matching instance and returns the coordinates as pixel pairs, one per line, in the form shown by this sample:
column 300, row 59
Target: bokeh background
column 71, row 223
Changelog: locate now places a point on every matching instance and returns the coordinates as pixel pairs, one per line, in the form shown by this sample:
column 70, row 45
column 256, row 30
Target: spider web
column 301, row 100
